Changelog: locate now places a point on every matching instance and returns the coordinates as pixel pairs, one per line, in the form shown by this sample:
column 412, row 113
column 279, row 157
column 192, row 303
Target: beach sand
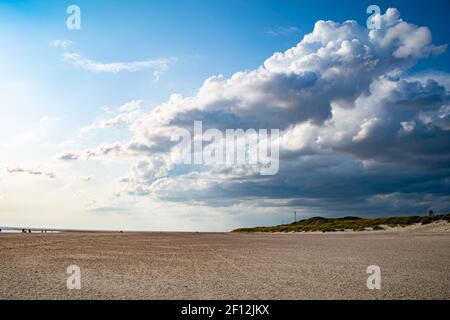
column 414, row 262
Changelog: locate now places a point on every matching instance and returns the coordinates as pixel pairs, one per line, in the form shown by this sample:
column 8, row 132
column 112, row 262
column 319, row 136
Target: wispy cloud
column 31, row 171
column 159, row 66
column 65, row 44
column 68, row 156
column 128, row 113
column 283, row 31
column 48, row 119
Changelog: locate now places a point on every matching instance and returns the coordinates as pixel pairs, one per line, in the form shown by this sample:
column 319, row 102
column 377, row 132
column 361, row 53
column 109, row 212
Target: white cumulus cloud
column 357, row 131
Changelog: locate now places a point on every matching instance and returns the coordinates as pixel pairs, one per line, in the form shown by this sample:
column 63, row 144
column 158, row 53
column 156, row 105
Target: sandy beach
column 414, row 262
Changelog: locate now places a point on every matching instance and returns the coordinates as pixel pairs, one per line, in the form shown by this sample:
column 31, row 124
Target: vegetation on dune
column 348, row 223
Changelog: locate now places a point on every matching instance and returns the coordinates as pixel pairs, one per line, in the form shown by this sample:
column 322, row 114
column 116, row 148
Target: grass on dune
column 348, row 223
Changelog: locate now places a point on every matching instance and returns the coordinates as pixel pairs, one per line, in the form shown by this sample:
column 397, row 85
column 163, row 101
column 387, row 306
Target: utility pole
column 295, row 216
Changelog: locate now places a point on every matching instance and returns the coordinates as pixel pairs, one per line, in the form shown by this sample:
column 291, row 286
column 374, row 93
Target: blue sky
column 47, row 100
column 208, row 38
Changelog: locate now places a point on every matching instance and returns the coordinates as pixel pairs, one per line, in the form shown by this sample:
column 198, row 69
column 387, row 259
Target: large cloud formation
column 358, row 133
